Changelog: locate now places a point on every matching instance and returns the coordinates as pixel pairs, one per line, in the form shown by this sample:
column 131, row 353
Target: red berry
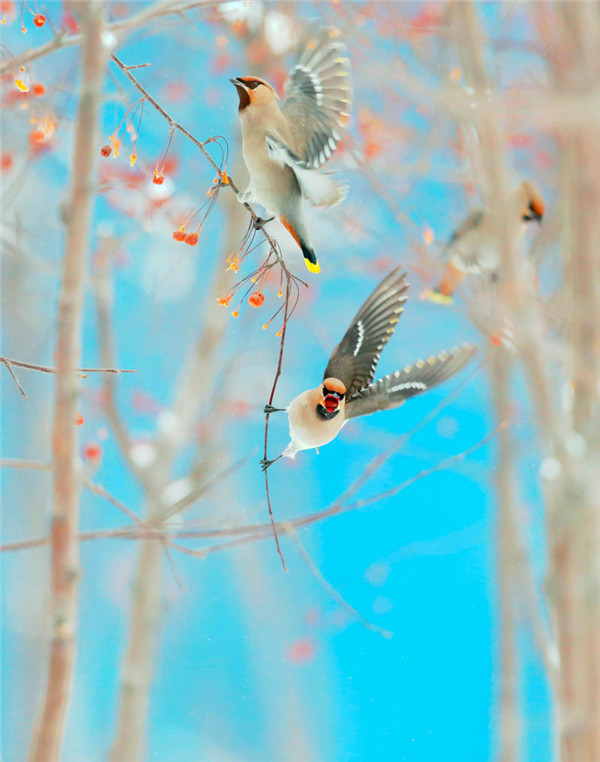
column 78, row 419
column 178, row 235
column 256, row 299
column 93, row 452
column 105, row 151
column 6, row 161
column 191, row 239
column 38, row 88
column 158, row 179
column 39, row 20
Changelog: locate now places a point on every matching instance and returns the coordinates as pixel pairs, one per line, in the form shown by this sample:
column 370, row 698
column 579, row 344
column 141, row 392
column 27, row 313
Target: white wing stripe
column 361, row 337
column 408, row 385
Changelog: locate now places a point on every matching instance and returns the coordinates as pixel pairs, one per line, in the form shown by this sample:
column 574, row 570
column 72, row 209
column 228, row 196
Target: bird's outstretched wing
column 355, row 358
column 318, row 98
column 471, row 222
column 393, row 390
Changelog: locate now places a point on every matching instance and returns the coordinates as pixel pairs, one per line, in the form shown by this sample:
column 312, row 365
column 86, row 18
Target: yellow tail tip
column 313, row 268
column 436, row 297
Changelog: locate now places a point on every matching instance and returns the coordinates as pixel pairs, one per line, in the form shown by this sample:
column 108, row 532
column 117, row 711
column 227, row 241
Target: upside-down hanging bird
column 474, row 246
column 316, row 416
column 285, row 145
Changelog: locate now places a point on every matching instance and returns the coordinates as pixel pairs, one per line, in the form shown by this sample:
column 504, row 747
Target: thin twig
column 335, row 594
column 267, row 416
column 47, row 369
column 9, row 365
column 120, row 28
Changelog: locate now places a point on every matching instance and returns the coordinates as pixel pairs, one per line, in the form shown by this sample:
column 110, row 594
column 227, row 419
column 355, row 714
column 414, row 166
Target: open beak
column 237, row 82
column 331, row 402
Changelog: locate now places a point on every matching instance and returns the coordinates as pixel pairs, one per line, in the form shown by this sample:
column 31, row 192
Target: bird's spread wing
column 471, row 222
column 320, row 188
column 393, row 390
column 318, row 98
column 355, row 358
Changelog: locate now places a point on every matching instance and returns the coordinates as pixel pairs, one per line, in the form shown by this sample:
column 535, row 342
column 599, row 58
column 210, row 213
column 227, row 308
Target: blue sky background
column 253, row 664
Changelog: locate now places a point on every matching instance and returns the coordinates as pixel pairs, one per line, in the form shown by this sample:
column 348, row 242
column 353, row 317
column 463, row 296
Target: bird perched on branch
column 285, row 145
column 474, row 246
column 316, row 416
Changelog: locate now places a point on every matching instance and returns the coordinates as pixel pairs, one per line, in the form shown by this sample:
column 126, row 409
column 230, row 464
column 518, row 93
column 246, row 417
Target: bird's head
column 253, row 90
column 530, row 201
column 331, row 398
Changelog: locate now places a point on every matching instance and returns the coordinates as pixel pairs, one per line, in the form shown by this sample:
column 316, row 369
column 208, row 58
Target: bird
column 474, row 245
column 316, row 416
column 284, row 146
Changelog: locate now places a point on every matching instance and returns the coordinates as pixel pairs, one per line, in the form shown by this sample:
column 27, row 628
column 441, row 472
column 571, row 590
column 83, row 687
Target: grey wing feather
column 318, row 98
column 471, row 222
column 355, row 358
column 393, row 390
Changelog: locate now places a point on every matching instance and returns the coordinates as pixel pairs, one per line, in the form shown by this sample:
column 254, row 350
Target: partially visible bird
column 474, row 245
column 316, row 416
column 284, row 147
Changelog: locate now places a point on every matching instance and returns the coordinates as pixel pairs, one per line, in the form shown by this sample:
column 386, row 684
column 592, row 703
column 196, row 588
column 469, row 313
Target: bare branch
column 120, row 28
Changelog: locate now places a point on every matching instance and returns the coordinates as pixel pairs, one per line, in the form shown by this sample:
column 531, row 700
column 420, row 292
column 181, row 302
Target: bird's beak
column 237, row 82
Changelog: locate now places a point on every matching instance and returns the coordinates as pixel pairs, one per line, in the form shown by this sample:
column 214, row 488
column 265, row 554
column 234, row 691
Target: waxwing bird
column 316, row 416
column 474, row 245
column 285, row 145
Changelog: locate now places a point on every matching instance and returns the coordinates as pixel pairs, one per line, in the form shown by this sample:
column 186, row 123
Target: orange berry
column 178, row 235
column 191, row 239
column 256, row 299
column 224, row 300
column 6, row 161
column 38, row 88
column 235, row 313
column 37, row 136
column 78, row 419
column 39, row 20
column 158, row 179
column 105, row 151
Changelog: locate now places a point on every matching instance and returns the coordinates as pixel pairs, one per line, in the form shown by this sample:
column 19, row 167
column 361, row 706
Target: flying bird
column 316, row 416
column 474, row 245
column 285, row 146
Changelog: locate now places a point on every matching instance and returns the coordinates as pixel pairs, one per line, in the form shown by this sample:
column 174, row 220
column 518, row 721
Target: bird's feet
column 270, row 409
column 259, row 223
column 265, row 463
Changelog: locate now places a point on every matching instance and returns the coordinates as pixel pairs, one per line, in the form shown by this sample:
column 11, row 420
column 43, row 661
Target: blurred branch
column 47, row 369
column 124, row 26
column 46, row 741
column 335, row 594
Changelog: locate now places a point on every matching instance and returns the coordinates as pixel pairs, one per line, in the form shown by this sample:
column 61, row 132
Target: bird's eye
column 253, row 84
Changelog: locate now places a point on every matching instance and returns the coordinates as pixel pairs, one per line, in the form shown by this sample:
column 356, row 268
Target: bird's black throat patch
column 244, row 97
column 324, row 415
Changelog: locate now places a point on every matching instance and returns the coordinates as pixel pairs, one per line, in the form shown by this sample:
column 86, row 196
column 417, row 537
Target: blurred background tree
column 443, row 596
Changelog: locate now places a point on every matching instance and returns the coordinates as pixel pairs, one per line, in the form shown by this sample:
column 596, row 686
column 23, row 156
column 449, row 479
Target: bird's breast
column 306, row 428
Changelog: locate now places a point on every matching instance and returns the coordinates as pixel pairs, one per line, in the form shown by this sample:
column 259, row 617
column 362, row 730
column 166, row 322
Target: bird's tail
column 451, row 279
column 310, row 258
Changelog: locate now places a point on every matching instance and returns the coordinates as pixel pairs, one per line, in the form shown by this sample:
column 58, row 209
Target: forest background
column 442, row 598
